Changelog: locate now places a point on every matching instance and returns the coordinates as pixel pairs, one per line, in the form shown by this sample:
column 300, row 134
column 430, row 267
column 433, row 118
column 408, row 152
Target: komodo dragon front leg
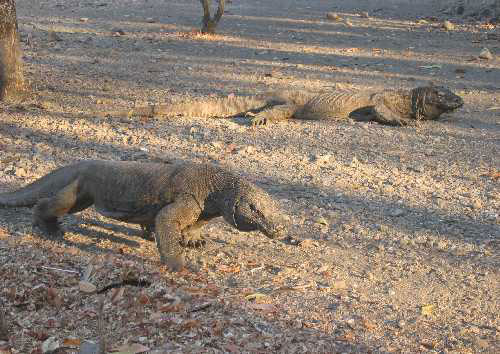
column 169, row 225
column 191, row 235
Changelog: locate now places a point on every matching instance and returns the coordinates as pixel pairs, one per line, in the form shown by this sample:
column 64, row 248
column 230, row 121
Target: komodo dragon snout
column 256, row 210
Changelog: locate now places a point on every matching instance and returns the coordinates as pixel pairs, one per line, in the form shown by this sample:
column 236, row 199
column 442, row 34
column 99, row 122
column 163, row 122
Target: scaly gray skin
column 393, row 107
column 173, row 199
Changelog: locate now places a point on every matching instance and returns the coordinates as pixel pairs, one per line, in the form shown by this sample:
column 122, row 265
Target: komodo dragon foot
column 191, row 236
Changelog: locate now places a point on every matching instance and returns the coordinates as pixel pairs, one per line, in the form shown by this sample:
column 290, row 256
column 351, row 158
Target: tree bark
column 209, row 24
column 12, row 82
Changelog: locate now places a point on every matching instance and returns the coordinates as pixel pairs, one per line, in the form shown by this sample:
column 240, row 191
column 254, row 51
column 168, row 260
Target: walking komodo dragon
column 392, row 107
column 173, row 199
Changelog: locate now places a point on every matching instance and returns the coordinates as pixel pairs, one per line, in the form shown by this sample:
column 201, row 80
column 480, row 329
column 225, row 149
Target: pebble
column 396, row 212
column 53, row 37
column 86, row 287
column 84, row 19
column 333, row 16
column 308, row 243
column 339, row 284
column 321, row 220
column 447, row 25
column 322, row 159
column 21, row 172
column 486, row 54
column 118, row 31
column 364, row 14
column 476, row 204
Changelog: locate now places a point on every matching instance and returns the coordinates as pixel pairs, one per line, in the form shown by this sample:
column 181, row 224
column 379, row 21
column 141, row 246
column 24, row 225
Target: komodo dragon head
column 254, row 209
column 430, row 102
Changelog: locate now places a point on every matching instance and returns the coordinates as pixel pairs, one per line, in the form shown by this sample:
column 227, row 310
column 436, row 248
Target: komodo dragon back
column 41, row 188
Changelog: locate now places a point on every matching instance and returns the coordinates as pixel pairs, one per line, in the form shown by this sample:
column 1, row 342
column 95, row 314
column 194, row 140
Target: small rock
column 396, row 212
column 486, row 54
column 321, row 220
column 447, row 25
column 364, row 14
column 89, row 347
column 308, row 243
column 84, row 19
column 86, row 287
column 339, row 285
column 150, row 20
column 118, row 31
column 476, row 204
column 50, row 345
column 53, row 37
column 217, row 144
column 322, row 159
column 21, row 172
column 333, row 16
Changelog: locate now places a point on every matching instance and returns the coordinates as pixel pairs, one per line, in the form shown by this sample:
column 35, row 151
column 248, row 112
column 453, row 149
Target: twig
column 201, row 307
column 100, row 327
column 4, row 329
column 61, row 270
column 87, row 273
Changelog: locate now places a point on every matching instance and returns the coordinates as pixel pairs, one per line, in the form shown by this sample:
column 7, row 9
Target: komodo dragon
column 174, row 199
column 392, row 107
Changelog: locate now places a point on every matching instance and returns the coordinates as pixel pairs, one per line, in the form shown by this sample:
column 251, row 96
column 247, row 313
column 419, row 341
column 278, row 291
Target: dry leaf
column 255, row 296
column 339, row 284
column 86, row 287
column 426, row 310
column 263, row 307
column 5, row 350
column 53, row 298
column 132, row 348
column 369, row 325
column 229, row 269
column 190, row 324
column 117, row 295
column 174, row 306
column 143, row 299
column 493, row 174
column 347, row 337
column 50, row 345
column 218, row 329
column 71, row 342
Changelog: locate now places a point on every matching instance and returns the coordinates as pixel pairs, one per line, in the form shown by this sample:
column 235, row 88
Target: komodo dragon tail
column 223, row 107
column 44, row 187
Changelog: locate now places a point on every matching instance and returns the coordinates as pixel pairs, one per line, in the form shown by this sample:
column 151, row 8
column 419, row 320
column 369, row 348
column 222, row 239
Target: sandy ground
column 401, row 225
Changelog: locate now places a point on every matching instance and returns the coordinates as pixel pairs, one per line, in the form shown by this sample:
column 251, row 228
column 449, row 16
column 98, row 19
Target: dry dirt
column 401, row 225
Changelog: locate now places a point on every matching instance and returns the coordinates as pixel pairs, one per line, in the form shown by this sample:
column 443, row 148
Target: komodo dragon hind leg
column 169, row 224
column 70, row 199
column 191, row 236
column 384, row 115
column 274, row 113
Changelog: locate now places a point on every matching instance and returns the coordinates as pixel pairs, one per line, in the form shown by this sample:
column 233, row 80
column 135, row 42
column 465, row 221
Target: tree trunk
column 209, row 24
column 11, row 67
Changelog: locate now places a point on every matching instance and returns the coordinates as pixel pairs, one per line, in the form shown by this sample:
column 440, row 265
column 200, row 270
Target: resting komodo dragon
column 392, row 107
column 173, row 199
